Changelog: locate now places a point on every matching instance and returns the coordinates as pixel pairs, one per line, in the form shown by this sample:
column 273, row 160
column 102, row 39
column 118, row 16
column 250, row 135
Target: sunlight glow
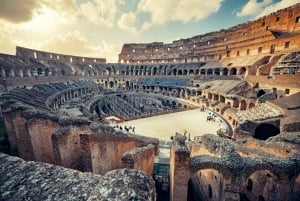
column 44, row 20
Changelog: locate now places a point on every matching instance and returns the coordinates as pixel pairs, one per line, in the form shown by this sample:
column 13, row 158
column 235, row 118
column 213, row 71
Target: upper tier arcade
column 42, row 55
column 268, row 35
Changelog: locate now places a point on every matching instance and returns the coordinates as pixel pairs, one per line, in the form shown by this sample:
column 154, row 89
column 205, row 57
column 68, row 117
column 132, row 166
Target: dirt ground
column 192, row 122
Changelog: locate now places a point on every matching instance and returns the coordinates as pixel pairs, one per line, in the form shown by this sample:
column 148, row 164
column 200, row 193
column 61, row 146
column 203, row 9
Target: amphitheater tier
column 62, row 109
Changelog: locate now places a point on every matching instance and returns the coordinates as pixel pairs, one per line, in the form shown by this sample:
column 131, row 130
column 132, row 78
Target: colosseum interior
column 58, row 109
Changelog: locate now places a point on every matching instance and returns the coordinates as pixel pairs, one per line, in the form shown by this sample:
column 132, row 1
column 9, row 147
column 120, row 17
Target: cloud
column 100, row 12
column 74, row 44
column 18, row 11
column 146, row 25
column 276, row 6
column 127, row 22
column 64, row 7
column 253, row 7
column 177, row 10
column 7, row 45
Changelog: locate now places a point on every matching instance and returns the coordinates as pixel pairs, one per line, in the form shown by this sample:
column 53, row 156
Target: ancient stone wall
column 36, row 181
column 206, row 180
column 103, row 149
column 266, row 35
column 67, row 147
column 140, row 159
column 40, row 132
column 105, row 152
column 235, row 174
column 179, row 173
column 30, row 53
column 19, row 136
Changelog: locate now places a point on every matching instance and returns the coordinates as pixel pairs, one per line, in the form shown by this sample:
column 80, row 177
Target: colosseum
column 64, row 117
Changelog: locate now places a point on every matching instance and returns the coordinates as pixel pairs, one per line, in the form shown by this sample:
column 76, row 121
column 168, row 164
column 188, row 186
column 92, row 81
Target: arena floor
column 191, row 122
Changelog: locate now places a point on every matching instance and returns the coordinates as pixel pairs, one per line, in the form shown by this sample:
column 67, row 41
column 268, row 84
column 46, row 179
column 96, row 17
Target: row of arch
column 181, row 71
column 275, row 186
column 143, row 71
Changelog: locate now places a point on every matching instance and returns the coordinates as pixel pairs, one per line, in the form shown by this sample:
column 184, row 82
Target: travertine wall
column 266, row 35
column 36, row 54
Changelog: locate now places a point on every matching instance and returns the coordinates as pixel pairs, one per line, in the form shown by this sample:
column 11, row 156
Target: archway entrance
column 206, row 184
column 264, row 131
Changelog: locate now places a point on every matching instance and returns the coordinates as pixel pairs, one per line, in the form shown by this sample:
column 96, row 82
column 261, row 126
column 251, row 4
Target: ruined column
column 179, row 168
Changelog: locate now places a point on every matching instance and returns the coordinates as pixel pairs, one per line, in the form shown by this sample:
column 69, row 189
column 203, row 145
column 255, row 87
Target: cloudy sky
column 99, row 28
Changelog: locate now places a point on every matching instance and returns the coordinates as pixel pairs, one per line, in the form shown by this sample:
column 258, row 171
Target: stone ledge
column 22, row 180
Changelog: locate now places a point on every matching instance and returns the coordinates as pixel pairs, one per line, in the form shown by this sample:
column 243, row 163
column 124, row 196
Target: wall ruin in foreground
column 40, row 181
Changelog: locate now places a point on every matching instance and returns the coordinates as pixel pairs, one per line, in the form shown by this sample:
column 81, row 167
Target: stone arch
column 264, row 131
column 202, row 72
column 216, row 97
column 136, row 70
column 225, row 71
column 140, row 69
column 154, row 71
column 217, row 71
column 40, row 71
column 125, row 97
column 236, row 103
column 222, row 99
column 127, row 85
column 243, row 105
column 205, row 174
column 10, row 72
column 2, row 72
column 209, row 71
column 179, row 72
column 145, row 70
column 19, row 73
column 188, row 92
column 174, row 71
column 251, row 105
column 131, row 70
column 185, row 72
column 108, row 71
column 264, row 183
column 209, row 96
column 210, row 165
column 63, row 72
column 242, row 71
column 191, row 71
column 197, row 71
column 47, row 72
column 111, row 84
column 127, row 70
column 233, row 71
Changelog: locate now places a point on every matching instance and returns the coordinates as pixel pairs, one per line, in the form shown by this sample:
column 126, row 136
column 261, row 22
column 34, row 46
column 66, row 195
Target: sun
column 44, row 20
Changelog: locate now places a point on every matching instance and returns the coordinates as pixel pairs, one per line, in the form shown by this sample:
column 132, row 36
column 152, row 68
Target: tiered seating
column 135, row 105
column 261, row 112
column 36, row 97
column 164, row 82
